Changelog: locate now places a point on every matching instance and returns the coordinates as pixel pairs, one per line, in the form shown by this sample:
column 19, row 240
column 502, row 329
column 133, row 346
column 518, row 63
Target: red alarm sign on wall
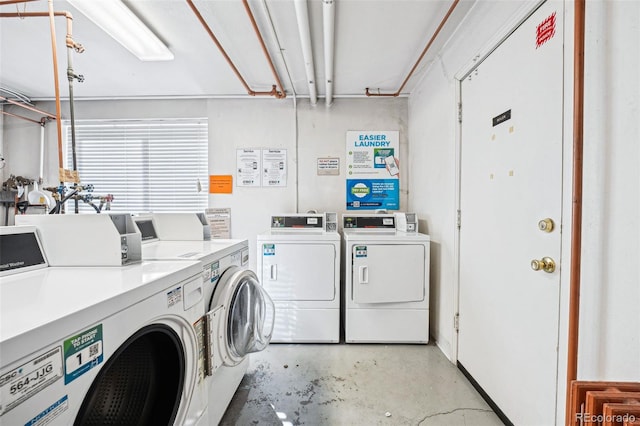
column 546, row 30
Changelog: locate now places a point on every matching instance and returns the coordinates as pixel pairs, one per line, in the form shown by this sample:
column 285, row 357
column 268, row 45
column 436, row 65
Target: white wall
column 321, row 133
column 610, row 319
column 241, row 123
column 610, row 291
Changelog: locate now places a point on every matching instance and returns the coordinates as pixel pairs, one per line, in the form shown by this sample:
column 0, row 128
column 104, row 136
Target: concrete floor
column 295, row 384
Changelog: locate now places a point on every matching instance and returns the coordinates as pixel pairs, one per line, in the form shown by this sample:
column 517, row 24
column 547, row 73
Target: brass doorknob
column 546, row 225
column 545, row 264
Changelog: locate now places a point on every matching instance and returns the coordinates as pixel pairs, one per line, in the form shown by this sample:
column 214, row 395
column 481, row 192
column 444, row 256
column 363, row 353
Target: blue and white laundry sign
column 361, row 251
column 82, row 352
column 372, row 194
column 373, row 173
column 268, row 249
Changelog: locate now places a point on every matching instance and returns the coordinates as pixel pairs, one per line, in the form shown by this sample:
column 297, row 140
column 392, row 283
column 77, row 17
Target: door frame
column 521, row 15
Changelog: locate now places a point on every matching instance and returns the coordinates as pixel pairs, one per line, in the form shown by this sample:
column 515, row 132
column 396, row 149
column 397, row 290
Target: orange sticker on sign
column 220, row 184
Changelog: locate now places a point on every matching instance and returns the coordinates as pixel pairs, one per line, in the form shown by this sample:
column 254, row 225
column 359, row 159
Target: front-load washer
column 299, row 266
column 386, row 280
column 97, row 345
column 239, row 312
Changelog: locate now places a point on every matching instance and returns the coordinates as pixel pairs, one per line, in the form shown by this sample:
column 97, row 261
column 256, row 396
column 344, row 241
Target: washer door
column 246, row 323
column 141, row 383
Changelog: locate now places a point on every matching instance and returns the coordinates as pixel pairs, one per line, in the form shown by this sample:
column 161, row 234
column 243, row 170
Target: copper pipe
column 71, row 44
column 54, row 52
column 204, row 24
column 21, row 117
column 29, row 107
column 3, row 2
column 576, row 216
column 424, row 52
column 281, row 94
column 69, row 38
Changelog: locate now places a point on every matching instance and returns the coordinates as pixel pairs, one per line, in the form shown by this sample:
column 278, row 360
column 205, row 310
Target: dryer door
column 388, row 273
column 246, row 324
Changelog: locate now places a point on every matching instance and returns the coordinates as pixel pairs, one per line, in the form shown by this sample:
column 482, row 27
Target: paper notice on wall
column 329, row 166
column 274, row 165
column 219, row 222
column 248, row 166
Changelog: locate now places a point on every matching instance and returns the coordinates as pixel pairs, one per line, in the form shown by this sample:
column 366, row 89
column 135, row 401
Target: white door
column 299, row 272
column 511, row 179
column 388, row 273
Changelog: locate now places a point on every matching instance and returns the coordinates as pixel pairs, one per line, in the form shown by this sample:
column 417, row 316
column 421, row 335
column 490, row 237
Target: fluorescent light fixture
column 119, row 22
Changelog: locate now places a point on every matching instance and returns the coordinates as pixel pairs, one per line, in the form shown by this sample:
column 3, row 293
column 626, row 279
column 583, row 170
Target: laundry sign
column 268, row 249
column 82, row 352
column 373, row 171
column 265, row 167
column 360, row 251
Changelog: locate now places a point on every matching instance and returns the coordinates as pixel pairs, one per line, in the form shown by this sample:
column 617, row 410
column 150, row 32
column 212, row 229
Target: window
column 147, row 165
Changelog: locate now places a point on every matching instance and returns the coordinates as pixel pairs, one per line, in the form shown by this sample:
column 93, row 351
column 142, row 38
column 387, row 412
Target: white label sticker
column 215, row 271
column 312, row 221
column 206, row 273
column 21, row 383
column 174, row 296
column 50, row 413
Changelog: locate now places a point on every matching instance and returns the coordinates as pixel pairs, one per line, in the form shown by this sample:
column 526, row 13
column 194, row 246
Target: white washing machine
column 386, row 279
column 97, row 345
column 239, row 313
column 299, row 266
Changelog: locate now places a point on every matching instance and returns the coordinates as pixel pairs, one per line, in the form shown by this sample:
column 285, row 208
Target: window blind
column 147, row 165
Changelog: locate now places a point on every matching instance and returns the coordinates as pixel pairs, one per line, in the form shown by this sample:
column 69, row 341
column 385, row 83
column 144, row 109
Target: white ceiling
column 377, row 42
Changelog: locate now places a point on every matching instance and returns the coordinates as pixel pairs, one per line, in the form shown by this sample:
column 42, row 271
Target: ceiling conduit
column 435, row 34
column 302, row 15
column 274, row 92
column 328, row 21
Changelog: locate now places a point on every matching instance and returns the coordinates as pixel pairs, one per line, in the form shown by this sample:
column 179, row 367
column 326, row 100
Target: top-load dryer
column 299, row 266
column 386, row 279
column 97, row 345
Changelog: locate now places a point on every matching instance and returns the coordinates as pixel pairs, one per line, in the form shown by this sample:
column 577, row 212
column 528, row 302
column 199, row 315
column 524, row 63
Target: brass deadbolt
column 546, row 225
column 545, row 264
